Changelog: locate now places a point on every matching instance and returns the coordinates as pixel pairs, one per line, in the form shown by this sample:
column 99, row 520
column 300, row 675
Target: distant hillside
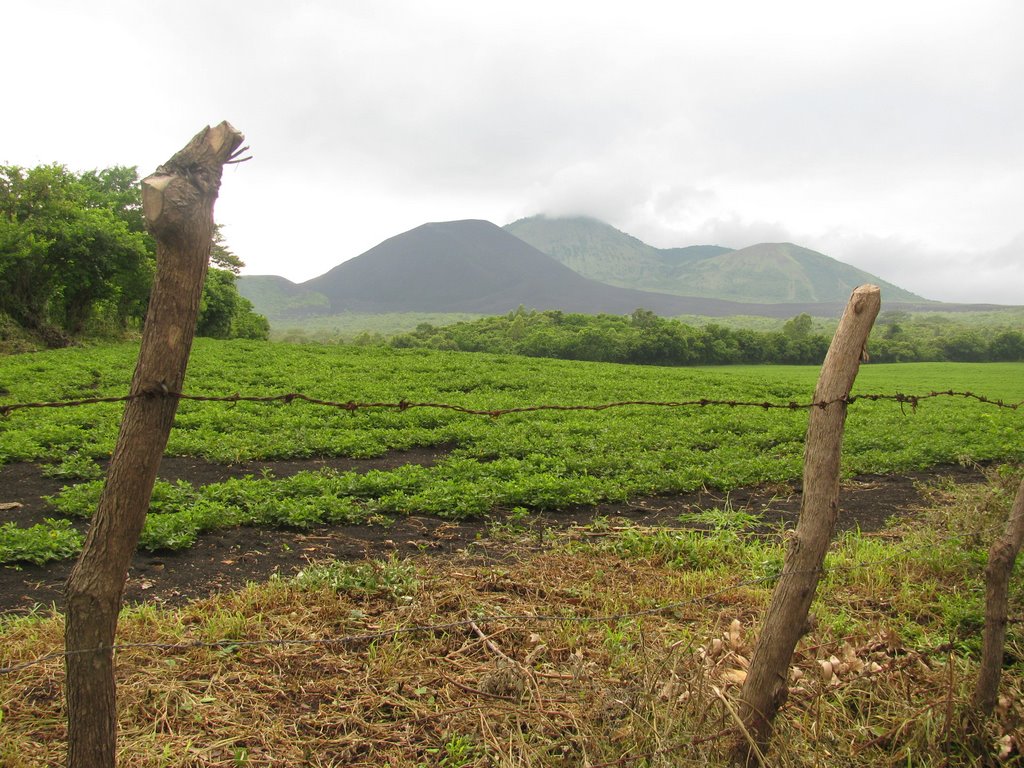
column 766, row 273
column 601, row 252
column 476, row 267
column 780, row 272
column 280, row 298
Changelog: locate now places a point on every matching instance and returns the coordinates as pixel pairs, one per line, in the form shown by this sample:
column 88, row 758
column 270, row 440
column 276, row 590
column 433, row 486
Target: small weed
column 511, row 526
column 392, row 577
column 618, row 638
column 724, row 518
column 692, row 550
column 228, row 626
column 458, row 752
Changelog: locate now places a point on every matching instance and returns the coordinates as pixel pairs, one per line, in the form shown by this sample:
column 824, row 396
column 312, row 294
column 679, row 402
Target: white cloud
column 897, row 125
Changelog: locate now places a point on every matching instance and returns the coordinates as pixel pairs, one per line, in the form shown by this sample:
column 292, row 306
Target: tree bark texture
column 1001, row 558
column 765, row 688
column 178, row 206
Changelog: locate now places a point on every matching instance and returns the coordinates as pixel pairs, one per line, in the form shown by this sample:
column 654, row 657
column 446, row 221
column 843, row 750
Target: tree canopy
column 75, row 258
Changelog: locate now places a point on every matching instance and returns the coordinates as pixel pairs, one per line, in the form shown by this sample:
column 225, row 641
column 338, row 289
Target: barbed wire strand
column 403, row 405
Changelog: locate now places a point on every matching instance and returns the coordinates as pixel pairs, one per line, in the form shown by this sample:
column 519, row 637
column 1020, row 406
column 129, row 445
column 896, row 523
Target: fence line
column 403, row 405
column 471, row 622
column 901, row 398
column 442, row 626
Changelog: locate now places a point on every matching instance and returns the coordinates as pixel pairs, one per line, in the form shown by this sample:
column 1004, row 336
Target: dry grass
column 882, row 679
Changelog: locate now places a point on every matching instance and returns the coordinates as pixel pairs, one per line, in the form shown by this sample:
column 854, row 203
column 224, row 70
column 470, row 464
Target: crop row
column 544, row 460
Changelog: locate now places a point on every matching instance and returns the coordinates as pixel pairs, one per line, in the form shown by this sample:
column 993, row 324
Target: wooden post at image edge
column 1001, row 557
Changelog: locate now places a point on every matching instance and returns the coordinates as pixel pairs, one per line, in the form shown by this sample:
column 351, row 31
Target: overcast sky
column 889, row 135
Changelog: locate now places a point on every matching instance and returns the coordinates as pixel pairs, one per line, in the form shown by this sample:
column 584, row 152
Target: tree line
column 76, row 260
column 641, row 337
column 644, row 338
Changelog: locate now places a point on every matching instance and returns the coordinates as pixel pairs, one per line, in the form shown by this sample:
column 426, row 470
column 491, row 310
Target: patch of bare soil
column 225, row 560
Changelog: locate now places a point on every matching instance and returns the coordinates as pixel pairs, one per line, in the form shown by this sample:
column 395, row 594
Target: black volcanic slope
column 476, row 266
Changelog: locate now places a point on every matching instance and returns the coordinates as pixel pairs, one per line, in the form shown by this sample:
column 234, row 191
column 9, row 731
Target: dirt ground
column 225, row 560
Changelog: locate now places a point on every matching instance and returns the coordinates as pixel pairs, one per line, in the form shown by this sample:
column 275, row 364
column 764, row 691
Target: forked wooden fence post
column 178, row 206
column 765, row 688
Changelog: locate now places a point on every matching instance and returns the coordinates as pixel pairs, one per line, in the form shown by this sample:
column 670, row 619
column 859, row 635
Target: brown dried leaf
column 1005, row 746
column 849, row 653
column 734, row 676
column 735, row 635
column 668, row 690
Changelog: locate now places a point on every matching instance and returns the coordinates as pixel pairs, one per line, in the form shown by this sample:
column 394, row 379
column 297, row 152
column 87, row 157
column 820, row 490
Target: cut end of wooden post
column 223, row 134
column 189, row 181
column 153, row 195
column 864, row 295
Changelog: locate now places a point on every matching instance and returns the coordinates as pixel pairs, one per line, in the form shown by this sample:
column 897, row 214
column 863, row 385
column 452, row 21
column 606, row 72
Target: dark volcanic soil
column 228, row 559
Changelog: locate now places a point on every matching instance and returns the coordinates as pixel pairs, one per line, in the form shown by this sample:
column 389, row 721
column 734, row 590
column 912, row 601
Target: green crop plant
column 38, row 544
column 541, row 460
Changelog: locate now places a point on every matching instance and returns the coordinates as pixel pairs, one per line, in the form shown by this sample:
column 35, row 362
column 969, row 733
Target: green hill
column 768, row 273
column 280, row 299
column 777, row 272
column 601, row 252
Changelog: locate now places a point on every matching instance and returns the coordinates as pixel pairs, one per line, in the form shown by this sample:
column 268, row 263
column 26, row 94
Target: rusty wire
column 403, row 405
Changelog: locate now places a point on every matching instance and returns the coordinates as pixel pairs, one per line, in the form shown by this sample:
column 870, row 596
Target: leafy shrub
column 42, row 543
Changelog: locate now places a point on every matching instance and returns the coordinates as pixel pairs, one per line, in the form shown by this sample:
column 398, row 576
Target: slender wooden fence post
column 178, row 206
column 1001, row 557
column 765, row 688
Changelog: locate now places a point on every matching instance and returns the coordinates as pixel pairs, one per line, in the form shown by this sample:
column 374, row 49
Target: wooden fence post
column 1001, row 557
column 178, row 207
column 765, row 688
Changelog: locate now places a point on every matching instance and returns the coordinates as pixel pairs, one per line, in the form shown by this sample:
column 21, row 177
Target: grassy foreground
column 610, row 646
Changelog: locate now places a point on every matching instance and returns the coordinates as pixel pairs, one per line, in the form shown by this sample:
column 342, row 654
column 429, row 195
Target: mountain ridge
column 761, row 273
column 474, row 266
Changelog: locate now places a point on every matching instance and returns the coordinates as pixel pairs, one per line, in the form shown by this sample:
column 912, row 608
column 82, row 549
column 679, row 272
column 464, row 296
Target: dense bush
column 76, row 260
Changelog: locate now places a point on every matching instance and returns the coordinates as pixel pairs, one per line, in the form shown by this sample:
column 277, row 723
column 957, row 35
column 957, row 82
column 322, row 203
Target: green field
column 628, row 638
column 534, row 461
